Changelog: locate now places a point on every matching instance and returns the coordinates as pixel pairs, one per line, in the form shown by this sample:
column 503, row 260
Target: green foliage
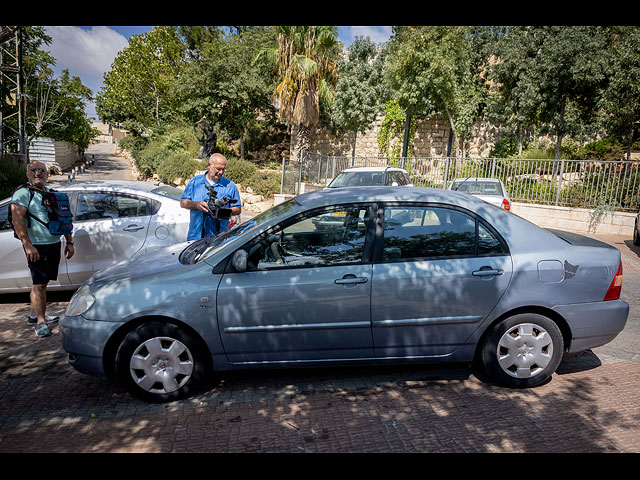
column 239, row 170
column 264, row 183
column 391, row 133
column 149, row 154
column 180, row 164
column 11, row 175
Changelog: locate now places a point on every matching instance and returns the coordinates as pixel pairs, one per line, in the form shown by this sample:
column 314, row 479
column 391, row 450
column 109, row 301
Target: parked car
column 490, row 190
column 370, row 176
column 113, row 221
column 409, row 274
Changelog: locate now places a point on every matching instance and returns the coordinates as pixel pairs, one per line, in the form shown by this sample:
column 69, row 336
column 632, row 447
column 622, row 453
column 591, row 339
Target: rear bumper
column 594, row 324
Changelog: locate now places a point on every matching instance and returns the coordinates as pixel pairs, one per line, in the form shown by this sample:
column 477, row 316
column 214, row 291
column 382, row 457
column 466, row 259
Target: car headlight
column 81, row 301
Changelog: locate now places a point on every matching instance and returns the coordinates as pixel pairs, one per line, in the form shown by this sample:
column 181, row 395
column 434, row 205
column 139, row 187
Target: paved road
column 591, row 405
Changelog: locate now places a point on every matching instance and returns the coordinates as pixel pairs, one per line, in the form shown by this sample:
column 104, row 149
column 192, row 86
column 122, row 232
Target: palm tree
column 306, row 72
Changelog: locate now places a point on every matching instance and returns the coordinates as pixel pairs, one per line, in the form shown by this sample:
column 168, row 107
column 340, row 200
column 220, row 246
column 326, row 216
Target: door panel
column 306, row 294
column 440, row 274
column 108, row 228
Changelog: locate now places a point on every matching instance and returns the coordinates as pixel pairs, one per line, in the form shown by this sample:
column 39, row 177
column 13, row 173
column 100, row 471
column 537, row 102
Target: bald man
column 196, row 194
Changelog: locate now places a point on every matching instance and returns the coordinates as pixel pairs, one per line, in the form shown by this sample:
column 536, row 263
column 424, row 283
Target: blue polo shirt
column 196, row 191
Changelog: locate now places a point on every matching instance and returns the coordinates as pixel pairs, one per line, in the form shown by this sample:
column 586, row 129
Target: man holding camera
column 196, row 196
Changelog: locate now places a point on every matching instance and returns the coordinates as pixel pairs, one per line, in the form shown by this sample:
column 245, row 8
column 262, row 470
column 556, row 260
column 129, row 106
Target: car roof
column 387, row 194
column 106, row 184
column 476, row 179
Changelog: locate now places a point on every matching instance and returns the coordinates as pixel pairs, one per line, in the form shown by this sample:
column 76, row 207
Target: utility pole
column 12, row 108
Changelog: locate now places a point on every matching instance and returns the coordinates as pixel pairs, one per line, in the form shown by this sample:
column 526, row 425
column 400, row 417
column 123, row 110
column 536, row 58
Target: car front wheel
column 522, row 351
column 160, row 362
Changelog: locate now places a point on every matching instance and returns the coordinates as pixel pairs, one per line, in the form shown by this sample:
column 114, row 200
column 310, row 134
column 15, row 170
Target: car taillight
column 616, row 286
column 505, row 204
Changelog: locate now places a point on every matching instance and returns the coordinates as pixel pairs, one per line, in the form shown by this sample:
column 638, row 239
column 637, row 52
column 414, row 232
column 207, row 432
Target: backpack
column 58, row 211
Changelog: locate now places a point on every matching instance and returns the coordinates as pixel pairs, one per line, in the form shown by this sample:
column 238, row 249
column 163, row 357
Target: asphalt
column 590, row 406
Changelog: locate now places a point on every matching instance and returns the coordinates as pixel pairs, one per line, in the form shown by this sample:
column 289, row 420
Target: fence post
column 560, row 182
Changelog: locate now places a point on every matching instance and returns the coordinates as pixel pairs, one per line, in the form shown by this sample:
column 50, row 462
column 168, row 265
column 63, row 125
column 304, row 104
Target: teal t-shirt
column 38, row 233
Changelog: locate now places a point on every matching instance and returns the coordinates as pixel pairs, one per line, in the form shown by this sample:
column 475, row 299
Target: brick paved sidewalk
column 45, row 406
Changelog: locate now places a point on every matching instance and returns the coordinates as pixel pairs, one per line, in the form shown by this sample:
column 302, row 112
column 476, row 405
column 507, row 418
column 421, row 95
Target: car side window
column 94, row 206
column 427, row 232
column 331, row 237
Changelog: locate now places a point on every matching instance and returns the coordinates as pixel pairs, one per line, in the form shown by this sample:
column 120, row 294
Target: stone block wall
column 431, row 139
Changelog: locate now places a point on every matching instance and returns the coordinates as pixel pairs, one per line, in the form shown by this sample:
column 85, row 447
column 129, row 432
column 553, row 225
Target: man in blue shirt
column 196, row 194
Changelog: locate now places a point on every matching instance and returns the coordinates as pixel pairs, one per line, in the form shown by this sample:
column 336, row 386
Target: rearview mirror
column 239, row 260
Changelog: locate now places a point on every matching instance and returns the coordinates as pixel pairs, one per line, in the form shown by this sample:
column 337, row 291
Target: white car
column 113, row 221
column 491, row 190
column 371, row 176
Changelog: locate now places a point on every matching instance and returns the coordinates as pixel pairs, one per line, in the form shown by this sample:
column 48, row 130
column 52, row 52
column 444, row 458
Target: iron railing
column 573, row 183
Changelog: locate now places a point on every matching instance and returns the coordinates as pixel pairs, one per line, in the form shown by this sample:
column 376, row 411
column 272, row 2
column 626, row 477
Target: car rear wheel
column 160, row 362
column 522, row 351
column 636, row 237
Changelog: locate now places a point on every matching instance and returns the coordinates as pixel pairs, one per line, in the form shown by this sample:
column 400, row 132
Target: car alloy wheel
column 161, row 362
column 523, row 350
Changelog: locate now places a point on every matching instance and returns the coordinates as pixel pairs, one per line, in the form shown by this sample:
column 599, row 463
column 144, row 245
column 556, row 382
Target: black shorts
column 46, row 268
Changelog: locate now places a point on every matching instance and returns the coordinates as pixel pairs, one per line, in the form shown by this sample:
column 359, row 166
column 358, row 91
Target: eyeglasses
column 41, row 170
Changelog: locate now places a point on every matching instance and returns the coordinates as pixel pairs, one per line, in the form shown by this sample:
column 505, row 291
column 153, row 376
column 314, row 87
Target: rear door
column 438, row 272
column 108, row 227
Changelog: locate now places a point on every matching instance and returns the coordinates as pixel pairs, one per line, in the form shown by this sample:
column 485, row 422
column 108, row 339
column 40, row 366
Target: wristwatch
column 69, row 243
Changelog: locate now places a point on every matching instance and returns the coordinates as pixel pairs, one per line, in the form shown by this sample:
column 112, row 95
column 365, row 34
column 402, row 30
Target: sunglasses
column 41, row 170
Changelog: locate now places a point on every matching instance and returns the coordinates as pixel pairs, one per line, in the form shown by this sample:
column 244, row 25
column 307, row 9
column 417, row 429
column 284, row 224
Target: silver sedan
column 399, row 274
column 113, row 221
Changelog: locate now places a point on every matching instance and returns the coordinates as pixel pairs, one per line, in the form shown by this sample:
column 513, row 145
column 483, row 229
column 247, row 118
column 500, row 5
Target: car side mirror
column 239, row 260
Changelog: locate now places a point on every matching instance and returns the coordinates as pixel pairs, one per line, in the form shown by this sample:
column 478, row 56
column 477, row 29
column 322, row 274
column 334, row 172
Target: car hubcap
column 525, row 350
column 161, row 365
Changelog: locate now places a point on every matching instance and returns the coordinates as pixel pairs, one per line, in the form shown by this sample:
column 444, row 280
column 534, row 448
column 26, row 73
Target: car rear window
column 479, row 188
column 168, row 191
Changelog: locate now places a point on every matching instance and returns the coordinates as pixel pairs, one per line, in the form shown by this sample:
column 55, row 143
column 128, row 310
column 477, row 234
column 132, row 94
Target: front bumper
column 594, row 324
column 84, row 341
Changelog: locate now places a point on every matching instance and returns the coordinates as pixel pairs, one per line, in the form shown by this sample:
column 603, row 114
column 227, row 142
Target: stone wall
column 431, row 139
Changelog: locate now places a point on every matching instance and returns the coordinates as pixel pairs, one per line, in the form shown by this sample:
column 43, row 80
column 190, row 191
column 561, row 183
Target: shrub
column 11, row 175
column 239, row 170
column 179, row 165
column 264, row 183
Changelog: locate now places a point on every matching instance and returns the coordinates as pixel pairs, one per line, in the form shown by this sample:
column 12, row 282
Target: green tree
column 223, row 84
column 137, row 90
column 430, row 71
column 360, row 91
column 620, row 100
column 305, row 62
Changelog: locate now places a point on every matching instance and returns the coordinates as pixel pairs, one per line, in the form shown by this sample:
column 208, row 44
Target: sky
column 88, row 51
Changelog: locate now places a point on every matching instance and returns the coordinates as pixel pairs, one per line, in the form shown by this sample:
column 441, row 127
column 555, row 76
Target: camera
column 218, row 206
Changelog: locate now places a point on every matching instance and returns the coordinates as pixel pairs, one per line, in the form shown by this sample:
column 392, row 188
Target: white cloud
column 86, row 52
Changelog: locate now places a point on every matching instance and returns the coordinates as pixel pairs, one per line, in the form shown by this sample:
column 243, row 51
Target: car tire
column 160, row 362
column 636, row 236
column 522, row 351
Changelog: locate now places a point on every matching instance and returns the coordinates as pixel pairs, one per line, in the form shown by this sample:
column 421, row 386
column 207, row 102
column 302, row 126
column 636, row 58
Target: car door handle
column 487, row 272
column 351, row 279
column 133, row 228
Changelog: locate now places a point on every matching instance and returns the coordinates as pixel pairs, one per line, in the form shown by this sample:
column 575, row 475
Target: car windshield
column 201, row 249
column 357, row 179
column 478, row 187
column 168, row 191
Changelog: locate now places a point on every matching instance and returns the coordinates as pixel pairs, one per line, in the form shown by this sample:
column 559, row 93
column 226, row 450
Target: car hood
column 153, row 262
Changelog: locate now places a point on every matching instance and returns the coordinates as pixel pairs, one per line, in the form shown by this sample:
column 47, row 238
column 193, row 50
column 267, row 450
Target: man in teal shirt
column 196, row 194
column 41, row 248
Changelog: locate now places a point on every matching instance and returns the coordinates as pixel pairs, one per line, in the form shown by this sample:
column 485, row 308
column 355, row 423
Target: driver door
column 305, row 295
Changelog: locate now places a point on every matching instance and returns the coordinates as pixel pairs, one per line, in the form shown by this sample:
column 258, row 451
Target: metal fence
column 573, row 183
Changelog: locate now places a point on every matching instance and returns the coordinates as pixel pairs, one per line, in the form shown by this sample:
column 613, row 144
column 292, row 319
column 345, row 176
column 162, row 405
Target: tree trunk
column 630, row 142
column 304, row 141
column 453, row 129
